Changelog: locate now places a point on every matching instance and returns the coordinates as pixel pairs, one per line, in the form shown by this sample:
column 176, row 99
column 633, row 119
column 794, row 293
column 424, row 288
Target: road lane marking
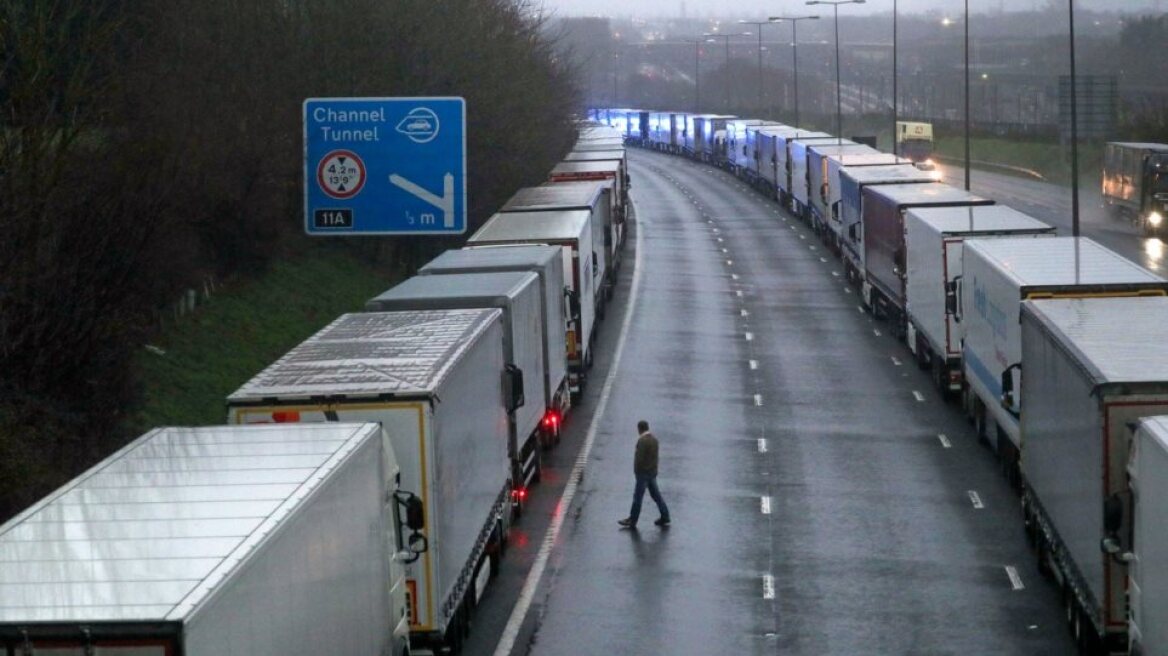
column 744, row 313
column 764, row 505
column 918, row 396
column 768, row 586
column 1015, row 580
column 754, row 364
column 847, row 290
column 739, row 292
column 758, row 399
column 975, row 499
column 762, row 445
column 749, row 337
column 895, row 361
column 725, row 251
column 876, row 332
column 835, row 273
column 734, row 276
column 527, row 594
column 729, row 262
column 944, row 440
column 823, row 259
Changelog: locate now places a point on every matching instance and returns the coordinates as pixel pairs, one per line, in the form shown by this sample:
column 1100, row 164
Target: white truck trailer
column 799, row 177
column 571, row 230
column 823, row 175
column 933, row 239
column 436, row 381
column 814, row 170
column 518, row 295
column 997, row 276
column 783, row 166
column 1093, row 366
column 1146, row 534
column 217, row 541
column 852, row 182
column 545, row 262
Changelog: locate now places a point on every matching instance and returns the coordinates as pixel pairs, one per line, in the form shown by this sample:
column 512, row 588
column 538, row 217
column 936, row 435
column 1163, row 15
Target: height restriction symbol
column 341, row 174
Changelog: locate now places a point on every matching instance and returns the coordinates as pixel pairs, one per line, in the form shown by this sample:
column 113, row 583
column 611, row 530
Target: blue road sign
column 375, row 166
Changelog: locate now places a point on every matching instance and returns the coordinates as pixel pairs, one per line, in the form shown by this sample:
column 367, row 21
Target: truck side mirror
column 1008, row 389
column 513, row 385
column 595, row 264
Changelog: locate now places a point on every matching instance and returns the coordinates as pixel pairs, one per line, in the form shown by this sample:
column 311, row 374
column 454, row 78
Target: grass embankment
column 1048, row 158
column 241, row 330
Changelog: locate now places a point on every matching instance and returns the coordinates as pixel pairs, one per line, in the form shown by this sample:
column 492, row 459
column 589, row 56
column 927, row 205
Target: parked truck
column 823, row 183
column 1092, row 367
column 914, row 140
column 933, row 239
column 885, row 254
column 547, row 263
column 570, row 230
column 218, row 541
column 807, row 155
column 1137, row 534
column 1135, row 184
column 784, row 166
column 598, row 171
column 852, row 182
column 518, row 295
column 997, row 276
column 437, row 382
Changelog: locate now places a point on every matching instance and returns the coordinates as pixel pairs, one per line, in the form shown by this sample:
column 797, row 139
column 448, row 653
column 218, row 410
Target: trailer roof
column 405, row 353
column 607, row 166
column 889, row 174
column 1157, row 429
column 594, row 155
column 1158, row 147
column 831, row 149
column 1117, row 340
column 454, row 292
column 978, row 218
column 558, row 225
column 1060, row 261
column 149, row 533
column 827, row 140
column 584, row 194
column 485, row 258
column 604, row 145
column 927, row 194
column 867, row 159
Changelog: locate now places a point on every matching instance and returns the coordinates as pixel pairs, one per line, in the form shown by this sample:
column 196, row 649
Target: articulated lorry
column 852, row 183
column 997, row 276
column 808, row 173
column 933, row 238
column 1135, row 184
column 218, row 541
column 437, row 382
column 823, row 185
column 1092, row 367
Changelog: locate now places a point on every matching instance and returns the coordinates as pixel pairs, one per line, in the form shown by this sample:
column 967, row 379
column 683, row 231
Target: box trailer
column 597, row 171
column 571, row 231
column 885, row 270
column 1092, row 367
column 614, row 231
column 1135, row 184
column 997, row 276
column 783, row 163
column 1146, row 535
column 806, row 155
column 771, row 154
column 852, row 182
column 436, row 381
column 738, row 144
column 824, row 185
column 547, row 263
column 678, row 131
column 518, row 295
column 216, row 541
column 596, row 198
column 707, row 128
column 933, row 238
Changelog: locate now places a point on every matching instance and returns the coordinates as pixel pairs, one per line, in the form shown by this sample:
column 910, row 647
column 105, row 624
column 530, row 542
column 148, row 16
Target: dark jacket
column 645, row 460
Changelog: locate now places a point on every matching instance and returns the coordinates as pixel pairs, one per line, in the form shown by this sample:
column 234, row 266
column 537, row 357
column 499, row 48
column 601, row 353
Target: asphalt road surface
column 824, row 499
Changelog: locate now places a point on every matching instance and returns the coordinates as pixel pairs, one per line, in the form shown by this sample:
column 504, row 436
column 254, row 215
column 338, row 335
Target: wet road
column 824, row 500
column 1052, row 203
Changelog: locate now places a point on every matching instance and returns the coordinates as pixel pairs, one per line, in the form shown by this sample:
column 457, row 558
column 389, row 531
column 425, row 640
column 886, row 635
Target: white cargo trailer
column 997, row 275
column 216, row 541
column 436, row 381
column 1147, row 534
column 544, row 261
column 571, row 230
column 823, row 174
column 799, row 177
column 1092, row 367
column 815, row 171
column 933, row 238
column 518, row 295
column 783, row 162
column 852, row 182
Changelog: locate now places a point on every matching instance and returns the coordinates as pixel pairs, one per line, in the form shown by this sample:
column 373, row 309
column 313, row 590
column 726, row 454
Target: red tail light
column 551, row 419
column 519, row 494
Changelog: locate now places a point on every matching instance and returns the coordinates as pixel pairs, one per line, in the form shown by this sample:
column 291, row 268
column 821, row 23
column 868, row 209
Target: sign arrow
column 445, row 202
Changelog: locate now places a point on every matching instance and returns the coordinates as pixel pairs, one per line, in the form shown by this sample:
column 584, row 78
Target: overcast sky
column 749, row 8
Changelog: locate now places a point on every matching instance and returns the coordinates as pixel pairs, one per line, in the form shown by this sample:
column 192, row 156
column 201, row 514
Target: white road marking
column 734, row 276
column 725, row 251
column 823, row 259
column 739, row 292
column 1015, row 580
column 768, row 586
column 860, row 309
column 944, row 440
column 527, row 594
column 720, row 240
column 762, row 445
column 876, row 332
column 975, row 499
column 895, row 361
column 754, row 364
column 744, row 313
column 764, row 504
column 758, row 399
column 750, row 337
column 918, row 396
column 835, row 273
column 729, row 262
column 847, row 290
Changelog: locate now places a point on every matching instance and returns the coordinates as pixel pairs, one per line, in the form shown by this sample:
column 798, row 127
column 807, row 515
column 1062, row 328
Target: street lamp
column 895, row 99
column 965, row 24
column 697, row 44
column 838, row 103
column 711, row 37
column 758, row 25
column 1074, row 131
column 794, row 20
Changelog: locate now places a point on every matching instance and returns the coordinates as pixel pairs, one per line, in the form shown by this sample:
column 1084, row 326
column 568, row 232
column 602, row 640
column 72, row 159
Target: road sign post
column 384, row 166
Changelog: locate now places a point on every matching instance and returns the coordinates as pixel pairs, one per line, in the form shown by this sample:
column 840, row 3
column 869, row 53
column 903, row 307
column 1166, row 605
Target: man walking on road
column 645, row 469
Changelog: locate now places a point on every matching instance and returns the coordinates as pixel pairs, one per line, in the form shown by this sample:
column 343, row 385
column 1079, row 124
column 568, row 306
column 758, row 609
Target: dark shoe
column 664, row 521
column 627, row 523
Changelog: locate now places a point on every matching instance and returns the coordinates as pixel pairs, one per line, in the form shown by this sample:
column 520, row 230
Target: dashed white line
column 762, row 445
column 895, row 361
column 876, row 332
column 758, row 400
column 944, row 439
column 847, row 290
column 918, row 396
column 823, row 259
column 749, row 337
column 768, row 586
column 835, row 273
column 729, row 262
column 739, row 292
column 1015, row 580
column 754, row 364
column 764, row 505
column 725, row 251
column 744, row 313
column 975, row 499
column 734, row 276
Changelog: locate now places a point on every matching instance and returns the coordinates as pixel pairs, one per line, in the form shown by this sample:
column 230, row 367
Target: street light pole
column 711, row 36
column 759, row 25
column 839, row 112
column 895, row 98
column 794, row 20
column 967, row 170
column 1074, row 132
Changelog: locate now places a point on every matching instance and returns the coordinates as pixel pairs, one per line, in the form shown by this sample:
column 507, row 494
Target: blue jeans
column 649, row 482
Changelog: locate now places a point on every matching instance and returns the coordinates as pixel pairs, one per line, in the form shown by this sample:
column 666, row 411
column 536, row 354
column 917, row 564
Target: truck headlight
column 1155, row 219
